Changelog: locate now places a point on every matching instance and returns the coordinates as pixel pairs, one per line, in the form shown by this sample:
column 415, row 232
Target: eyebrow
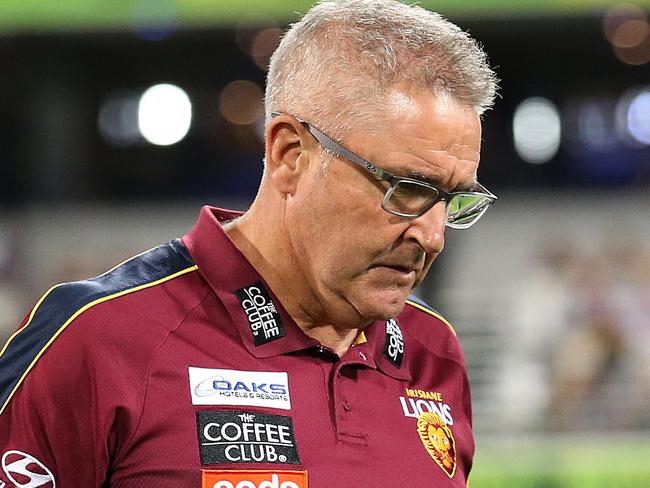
column 415, row 175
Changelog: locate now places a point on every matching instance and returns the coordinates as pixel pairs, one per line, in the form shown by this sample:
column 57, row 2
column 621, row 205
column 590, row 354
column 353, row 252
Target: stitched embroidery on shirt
column 438, row 440
column 394, row 345
column 262, row 314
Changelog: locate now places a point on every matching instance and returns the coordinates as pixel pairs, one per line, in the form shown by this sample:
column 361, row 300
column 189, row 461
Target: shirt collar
column 226, row 270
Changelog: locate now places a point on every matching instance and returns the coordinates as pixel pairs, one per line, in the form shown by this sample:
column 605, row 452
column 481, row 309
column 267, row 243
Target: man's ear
column 286, row 152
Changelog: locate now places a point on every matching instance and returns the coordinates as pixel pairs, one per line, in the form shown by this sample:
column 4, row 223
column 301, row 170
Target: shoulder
column 427, row 313
column 430, row 329
column 92, row 318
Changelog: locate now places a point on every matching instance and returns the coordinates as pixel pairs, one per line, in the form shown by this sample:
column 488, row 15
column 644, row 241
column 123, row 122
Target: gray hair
column 337, row 63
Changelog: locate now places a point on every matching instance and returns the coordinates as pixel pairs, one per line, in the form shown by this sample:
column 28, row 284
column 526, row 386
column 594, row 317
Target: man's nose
column 428, row 230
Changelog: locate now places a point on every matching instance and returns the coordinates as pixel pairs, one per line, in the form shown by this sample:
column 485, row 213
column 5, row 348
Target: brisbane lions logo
column 438, row 441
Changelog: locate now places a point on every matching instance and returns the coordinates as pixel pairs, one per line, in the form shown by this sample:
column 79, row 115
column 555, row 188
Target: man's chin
column 384, row 304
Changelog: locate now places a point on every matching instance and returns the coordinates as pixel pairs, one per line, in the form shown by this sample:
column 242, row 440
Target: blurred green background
column 601, row 462
column 20, row 15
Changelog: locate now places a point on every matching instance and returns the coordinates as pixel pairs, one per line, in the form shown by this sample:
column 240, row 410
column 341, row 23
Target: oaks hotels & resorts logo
column 212, row 386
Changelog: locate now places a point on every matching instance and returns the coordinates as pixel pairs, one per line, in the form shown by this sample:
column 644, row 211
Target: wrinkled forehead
column 435, row 136
column 423, row 115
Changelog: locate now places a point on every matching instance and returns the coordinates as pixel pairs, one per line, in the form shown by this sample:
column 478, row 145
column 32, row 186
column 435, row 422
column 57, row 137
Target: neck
column 264, row 242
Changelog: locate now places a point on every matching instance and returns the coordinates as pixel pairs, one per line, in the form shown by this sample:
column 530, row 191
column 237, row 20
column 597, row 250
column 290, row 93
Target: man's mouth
column 400, row 268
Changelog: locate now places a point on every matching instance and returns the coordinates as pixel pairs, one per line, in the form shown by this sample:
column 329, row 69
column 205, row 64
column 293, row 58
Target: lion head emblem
column 438, row 441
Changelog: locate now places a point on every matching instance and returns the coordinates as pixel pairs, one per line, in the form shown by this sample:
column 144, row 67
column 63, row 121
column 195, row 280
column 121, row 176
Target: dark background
column 52, row 87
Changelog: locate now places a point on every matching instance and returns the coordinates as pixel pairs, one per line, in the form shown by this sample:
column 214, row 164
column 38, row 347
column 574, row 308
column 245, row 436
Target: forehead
column 434, row 136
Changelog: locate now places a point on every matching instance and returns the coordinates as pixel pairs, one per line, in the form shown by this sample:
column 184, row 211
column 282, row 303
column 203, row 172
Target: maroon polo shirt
column 180, row 368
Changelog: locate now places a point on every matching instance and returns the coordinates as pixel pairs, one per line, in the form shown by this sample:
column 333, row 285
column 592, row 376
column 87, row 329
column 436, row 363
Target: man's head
column 404, row 90
column 338, row 64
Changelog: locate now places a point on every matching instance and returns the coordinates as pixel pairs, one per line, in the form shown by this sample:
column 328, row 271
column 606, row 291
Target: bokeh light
column 633, row 117
column 258, row 40
column 164, row 114
column 595, row 124
column 537, row 130
column 241, row 102
column 636, row 55
column 638, row 117
column 630, row 33
column 626, row 27
column 618, row 15
column 118, row 118
column 263, row 45
column 154, row 20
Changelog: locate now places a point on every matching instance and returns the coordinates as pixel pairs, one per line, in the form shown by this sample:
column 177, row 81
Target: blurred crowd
column 584, row 334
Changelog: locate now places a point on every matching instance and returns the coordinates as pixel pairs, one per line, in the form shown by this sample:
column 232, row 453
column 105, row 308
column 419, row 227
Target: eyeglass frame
column 381, row 174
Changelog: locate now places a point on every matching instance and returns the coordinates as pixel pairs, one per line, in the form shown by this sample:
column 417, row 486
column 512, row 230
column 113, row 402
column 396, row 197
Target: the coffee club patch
column 394, row 345
column 263, row 317
column 243, row 437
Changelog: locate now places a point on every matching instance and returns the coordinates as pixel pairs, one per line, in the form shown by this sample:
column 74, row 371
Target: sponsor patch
column 394, row 346
column 253, row 478
column 263, row 317
column 438, row 440
column 231, row 387
column 25, row 471
column 243, row 437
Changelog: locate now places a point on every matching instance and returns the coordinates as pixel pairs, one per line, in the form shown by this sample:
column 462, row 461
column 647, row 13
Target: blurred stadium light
column 118, row 118
column 164, row 114
column 240, row 102
column 626, row 26
column 537, row 130
column 638, row 117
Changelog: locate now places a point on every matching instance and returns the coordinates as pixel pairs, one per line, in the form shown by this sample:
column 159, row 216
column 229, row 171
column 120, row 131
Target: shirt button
column 346, row 406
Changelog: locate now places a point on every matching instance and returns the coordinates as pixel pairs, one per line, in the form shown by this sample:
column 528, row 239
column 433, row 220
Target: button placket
column 347, row 425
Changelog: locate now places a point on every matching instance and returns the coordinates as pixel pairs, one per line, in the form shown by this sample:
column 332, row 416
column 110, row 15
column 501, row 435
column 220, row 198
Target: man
column 280, row 348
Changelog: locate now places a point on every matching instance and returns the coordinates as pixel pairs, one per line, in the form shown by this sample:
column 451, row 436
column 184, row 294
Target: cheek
column 338, row 227
column 318, row 232
column 342, row 256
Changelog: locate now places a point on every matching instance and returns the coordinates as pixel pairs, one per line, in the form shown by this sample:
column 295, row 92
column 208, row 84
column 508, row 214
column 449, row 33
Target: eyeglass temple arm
column 331, row 145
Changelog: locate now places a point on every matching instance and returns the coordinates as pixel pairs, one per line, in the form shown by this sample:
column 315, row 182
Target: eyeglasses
column 410, row 198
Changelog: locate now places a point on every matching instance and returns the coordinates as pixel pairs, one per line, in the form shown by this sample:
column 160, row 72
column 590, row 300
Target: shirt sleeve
column 65, row 408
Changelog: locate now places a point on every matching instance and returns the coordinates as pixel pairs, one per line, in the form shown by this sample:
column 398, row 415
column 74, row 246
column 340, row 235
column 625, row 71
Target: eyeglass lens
column 413, row 199
column 410, row 198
